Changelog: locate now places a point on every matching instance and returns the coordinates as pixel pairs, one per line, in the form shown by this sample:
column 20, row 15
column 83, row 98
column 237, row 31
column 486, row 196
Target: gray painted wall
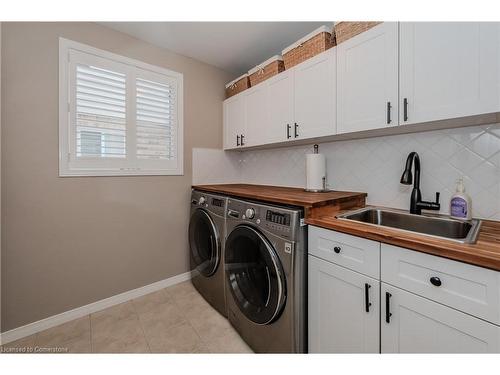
column 67, row 242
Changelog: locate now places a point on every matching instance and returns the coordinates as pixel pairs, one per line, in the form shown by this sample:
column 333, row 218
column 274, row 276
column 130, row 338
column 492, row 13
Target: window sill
column 118, row 173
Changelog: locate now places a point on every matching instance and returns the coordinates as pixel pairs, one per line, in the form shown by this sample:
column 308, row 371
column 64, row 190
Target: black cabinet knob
column 436, row 281
column 337, row 249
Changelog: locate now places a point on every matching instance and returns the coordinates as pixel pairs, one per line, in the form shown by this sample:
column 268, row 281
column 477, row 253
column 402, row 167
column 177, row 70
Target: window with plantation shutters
column 100, row 112
column 155, row 120
column 118, row 116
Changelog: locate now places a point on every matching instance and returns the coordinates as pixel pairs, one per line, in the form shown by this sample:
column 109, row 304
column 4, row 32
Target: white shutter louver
column 117, row 116
column 155, row 106
column 100, row 113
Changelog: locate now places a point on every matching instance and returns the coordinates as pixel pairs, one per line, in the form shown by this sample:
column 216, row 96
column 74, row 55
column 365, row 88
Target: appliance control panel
column 278, row 218
column 284, row 222
column 217, row 202
column 211, row 202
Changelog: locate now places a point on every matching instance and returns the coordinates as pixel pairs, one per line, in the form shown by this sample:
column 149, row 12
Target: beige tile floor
column 173, row 320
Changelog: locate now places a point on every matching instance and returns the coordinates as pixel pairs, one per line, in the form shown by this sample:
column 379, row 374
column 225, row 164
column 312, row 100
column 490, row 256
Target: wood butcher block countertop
column 282, row 195
column 321, row 210
column 485, row 252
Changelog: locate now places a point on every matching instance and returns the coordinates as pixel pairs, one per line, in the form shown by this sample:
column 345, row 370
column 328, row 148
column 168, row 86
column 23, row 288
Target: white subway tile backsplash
column 374, row 165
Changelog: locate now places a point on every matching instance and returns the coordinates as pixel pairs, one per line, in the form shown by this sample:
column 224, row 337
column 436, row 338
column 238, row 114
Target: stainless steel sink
column 430, row 225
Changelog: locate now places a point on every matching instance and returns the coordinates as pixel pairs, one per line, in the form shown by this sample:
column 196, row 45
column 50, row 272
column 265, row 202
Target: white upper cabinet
column 298, row 103
column 393, row 74
column 315, row 92
column 234, row 121
column 280, row 107
column 448, row 70
column 256, row 115
column 367, row 79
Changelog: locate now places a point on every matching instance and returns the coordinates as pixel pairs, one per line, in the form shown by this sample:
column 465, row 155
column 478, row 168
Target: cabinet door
column 256, row 115
column 448, row 70
column 314, row 91
column 419, row 325
column 338, row 318
column 280, row 109
column 367, row 76
column 234, row 120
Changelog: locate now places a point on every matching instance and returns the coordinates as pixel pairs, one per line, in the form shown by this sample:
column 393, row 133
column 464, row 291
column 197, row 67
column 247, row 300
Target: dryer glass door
column 254, row 275
column 204, row 242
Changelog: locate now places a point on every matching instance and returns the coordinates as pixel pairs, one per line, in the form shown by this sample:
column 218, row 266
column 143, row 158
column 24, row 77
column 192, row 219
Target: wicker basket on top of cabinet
column 238, row 85
column 346, row 30
column 311, row 45
column 266, row 70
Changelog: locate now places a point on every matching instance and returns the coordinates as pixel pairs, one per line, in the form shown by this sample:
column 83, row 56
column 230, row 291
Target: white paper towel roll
column 315, row 171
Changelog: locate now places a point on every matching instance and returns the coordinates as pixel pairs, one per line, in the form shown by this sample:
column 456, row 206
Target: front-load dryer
column 265, row 270
column 206, row 244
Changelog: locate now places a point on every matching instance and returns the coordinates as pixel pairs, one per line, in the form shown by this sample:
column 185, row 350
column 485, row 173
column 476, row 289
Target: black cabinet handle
column 436, row 281
column 389, row 112
column 388, row 313
column 242, row 136
column 405, row 109
column 337, row 249
column 288, row 127
column 296, row 130
column 367, row 297
column 237, row 140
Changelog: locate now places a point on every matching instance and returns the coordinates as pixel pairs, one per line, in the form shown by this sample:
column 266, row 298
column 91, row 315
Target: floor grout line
column 142, row 327
column 186, row 319
column 91, row 339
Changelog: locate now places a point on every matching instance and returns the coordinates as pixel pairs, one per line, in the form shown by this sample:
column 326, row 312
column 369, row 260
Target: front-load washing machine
column 206, row 244
column 265, row 270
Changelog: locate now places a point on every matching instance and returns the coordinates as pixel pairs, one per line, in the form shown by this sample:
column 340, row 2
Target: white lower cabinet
column 413, row 324
column 420, row 303
column 343, row 310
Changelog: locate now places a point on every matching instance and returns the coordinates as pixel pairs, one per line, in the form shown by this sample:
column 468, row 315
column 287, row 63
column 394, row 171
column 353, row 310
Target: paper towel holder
column 324, row 189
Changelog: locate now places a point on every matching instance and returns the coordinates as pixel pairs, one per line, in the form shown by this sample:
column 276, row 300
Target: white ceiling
column 232, row 46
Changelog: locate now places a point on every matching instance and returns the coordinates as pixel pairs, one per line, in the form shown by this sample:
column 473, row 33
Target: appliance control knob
column 250, row 213
column 202, row 200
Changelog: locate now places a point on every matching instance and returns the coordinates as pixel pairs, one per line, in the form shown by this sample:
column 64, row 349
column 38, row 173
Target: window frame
column 130, row 166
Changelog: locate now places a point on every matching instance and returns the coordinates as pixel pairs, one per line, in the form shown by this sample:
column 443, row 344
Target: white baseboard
column 55, row 320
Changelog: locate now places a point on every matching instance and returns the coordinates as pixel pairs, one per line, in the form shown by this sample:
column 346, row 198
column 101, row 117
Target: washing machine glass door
column 204, row 242
column 254, row 275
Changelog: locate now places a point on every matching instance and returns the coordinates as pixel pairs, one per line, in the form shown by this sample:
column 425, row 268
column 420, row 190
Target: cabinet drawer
column 467, row 288
column 358, row 254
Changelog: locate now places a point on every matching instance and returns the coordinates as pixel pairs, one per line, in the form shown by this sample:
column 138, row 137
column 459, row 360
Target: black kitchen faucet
column 416, row 202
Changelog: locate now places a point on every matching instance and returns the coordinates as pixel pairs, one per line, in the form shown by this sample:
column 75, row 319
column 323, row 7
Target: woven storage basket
column 238, row 85
column 311, row 45
column 266, row 70
column 346, row 30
